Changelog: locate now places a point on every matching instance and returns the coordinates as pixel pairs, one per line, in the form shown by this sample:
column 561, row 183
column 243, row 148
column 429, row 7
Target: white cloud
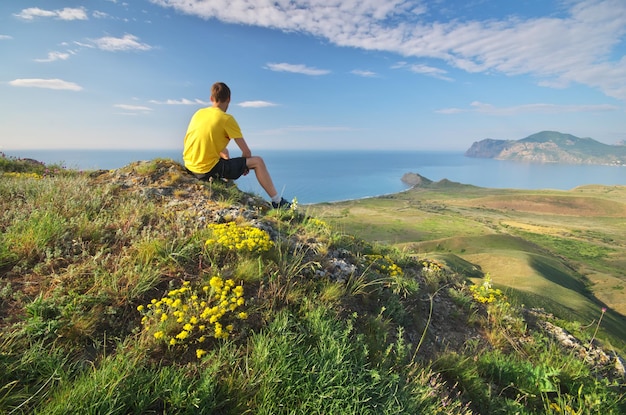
column 183, row 101
column 83, row 45
column 365, row 74
column 125, row 43
column 46, row 84
column 489, row 109
column 67, row 13
column 575, row 46
column 54, row 56
column 256, row 104
column 424, row 70
column 301, row 69
column 6, row 37
column 135, row 108
column 100, row 15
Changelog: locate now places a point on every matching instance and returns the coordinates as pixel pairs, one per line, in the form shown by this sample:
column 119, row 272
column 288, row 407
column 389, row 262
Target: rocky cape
column 550, row 147
column 416, row 180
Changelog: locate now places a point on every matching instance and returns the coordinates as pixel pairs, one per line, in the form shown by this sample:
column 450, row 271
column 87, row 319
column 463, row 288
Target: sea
column 317, row 176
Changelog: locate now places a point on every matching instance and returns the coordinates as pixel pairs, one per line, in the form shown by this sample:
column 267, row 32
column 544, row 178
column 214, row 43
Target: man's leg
column 262, row 175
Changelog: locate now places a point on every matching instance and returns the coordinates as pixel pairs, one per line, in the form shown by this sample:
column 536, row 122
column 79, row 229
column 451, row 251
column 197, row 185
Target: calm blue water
column 326, row 176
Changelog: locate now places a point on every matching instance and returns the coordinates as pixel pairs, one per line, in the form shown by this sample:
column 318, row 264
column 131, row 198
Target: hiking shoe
column 282, row 204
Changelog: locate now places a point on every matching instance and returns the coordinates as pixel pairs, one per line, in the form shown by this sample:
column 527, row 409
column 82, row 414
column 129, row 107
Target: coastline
column 322, row 176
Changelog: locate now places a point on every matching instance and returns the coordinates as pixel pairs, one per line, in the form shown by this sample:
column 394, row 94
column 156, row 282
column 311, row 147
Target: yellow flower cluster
column 386, row 265
column 431, row 265
column 239, row 238
column 23, row 175
column 188, row 315
column 318, row 224
column 485, row 293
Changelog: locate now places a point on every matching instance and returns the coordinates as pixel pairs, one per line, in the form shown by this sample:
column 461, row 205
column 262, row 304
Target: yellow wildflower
column 182, row 335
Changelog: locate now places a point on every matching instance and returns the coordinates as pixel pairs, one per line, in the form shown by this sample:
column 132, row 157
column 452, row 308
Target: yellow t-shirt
column 209, row 132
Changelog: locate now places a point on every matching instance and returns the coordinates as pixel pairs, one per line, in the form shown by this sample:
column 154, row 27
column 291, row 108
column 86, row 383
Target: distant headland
column 550, row 147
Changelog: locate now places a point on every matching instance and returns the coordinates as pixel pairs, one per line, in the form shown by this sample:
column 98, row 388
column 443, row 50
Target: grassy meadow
column 562, row 250
column 143, row 291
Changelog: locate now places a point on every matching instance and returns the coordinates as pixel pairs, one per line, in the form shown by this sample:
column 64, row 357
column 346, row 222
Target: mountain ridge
column 550, row 147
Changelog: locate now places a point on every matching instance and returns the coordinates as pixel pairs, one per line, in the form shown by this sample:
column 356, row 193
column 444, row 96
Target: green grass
column 325, row 322
column 554, row 244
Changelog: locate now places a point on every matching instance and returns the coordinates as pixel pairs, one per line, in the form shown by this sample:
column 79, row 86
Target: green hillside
column 564, row 248
column 550, row 146
column 583, row 146
column 141, row 290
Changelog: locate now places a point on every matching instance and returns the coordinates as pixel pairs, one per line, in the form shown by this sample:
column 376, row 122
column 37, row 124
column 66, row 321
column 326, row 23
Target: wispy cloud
column 80, row 44
column 576, row 46
column 489, row 109
column 301, row 69
column 6, row 37
column 46, row 84
column 125, row 43
column 365, row 74
column 182, row 101
column 100, row 15
column 54, row 56
column 256, row 104
column 133, row 108
column 67, row 13
column 424, row 70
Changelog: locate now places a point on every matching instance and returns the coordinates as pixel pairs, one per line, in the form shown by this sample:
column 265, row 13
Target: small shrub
column 433, row 274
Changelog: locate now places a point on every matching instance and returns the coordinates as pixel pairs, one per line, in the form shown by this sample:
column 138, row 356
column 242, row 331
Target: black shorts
column 231, row 169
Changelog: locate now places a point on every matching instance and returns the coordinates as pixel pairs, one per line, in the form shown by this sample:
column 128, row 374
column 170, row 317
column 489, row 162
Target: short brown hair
column 220, row 92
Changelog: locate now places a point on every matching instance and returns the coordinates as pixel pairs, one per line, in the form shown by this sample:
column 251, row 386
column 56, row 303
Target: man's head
column 220, row 93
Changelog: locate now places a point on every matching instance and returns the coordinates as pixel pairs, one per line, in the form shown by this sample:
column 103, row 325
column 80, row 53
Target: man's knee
column 254, row 162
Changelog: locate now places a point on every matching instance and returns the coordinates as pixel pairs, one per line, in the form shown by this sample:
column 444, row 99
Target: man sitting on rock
column 205, row 154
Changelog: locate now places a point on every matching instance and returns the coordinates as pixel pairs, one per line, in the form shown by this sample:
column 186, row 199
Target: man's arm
column 245, row 150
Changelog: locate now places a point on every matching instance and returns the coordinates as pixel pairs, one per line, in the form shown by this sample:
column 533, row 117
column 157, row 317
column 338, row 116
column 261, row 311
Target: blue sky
column 323, row 74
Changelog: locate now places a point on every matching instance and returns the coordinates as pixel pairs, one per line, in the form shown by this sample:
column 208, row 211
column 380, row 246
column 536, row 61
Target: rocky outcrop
column 415, row 180
column 487, row 148
column 605, row 362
